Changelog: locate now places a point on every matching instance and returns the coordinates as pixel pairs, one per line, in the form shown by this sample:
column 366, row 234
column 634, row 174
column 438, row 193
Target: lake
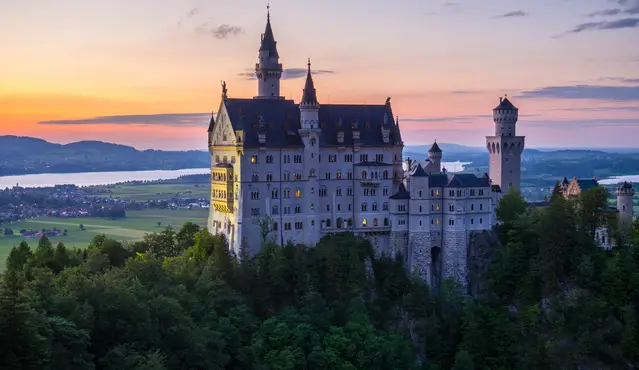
column 94, row 178
column 105, row 178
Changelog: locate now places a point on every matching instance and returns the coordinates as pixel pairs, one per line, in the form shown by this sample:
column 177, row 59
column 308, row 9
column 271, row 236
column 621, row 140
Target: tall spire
column 268, row 40
column 309, row 96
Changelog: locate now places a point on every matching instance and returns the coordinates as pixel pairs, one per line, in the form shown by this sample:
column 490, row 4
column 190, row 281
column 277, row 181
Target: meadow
column 133, row 227
column 143, row 192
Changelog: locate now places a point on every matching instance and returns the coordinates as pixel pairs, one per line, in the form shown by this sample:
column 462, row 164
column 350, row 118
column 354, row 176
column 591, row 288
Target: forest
column 180, row 300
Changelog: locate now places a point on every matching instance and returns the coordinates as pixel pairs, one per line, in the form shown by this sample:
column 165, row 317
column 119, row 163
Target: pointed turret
column 268, row 69
column 268, row 39
column 309, row 96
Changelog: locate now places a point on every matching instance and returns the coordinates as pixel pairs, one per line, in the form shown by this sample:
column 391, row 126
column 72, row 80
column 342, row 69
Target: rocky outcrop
column 480, row 252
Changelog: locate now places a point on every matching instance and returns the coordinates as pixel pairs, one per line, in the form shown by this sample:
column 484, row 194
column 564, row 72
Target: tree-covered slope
column 22, row 155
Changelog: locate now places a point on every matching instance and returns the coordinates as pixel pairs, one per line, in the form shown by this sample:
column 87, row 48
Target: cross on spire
column 268, row 11
column 309, row 64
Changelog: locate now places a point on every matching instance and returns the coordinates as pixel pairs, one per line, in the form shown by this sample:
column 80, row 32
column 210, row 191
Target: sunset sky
column 147, row 73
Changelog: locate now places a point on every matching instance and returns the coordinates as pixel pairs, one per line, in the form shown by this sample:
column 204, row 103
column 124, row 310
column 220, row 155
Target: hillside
column 26, row 155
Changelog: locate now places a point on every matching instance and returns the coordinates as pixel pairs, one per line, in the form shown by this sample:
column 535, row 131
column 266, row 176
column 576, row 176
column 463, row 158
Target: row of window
column 297, row 176
column 323, row 192
column 453, row 193
column 297, row 158
column 221, row 194
column 341, row 223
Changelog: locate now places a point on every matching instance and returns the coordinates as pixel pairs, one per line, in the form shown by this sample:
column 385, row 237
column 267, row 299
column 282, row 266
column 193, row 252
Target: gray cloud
column 220, row 32
column 594, row 92
column 469, row 118
column 627, row 108
column 451, row 3
column 516, row 13
column 193, row 12
column 288, row 73
column 162, row 119
column 606, row 25
column 621, row 79
column 583, row 123
column 630, row 7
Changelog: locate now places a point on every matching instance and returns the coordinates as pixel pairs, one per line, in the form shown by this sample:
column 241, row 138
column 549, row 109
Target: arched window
column 274, row 194
column 313, row 141
column 339, row 223
column 386, row 175
column 364, row 222
column 311, row 172
column 287, row 193
column 328, row 222
column 374, row 222
column 276, row 210
column 298, row 193
column 385, row 221
column 364, row 174
column 255, row 177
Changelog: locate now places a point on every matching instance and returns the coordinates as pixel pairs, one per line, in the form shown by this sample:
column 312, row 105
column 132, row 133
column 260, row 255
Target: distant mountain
column 27, row 155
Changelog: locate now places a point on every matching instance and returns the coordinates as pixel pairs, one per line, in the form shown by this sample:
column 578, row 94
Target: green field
column 144, row 192
column 133, row 227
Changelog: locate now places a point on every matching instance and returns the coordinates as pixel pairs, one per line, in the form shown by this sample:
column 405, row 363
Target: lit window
column 364, row 222
column 437, row 221
column 253, row 159
column 436, row 193
column 298, row 193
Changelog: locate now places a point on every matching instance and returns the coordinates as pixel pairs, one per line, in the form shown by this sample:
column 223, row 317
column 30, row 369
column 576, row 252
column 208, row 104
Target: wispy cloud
column 621, row 80
column 593, row 92
column 220, row 32
column 584, row 123
column 193, row 12
column 624, row 7
column 288, row 73
column 162, row 119
column 469, row 118
column 516, row 13
column 605, row 25
column 624, row 108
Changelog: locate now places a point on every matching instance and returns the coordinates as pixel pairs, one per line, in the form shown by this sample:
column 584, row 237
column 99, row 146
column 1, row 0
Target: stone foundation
column 455, row 257
column 420, row 254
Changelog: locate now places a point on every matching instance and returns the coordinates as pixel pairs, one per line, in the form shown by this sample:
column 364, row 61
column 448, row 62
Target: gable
column 223, row 132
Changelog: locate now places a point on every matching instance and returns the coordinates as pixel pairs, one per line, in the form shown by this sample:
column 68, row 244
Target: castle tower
column 435, row 156
column 310, row 134
column 268, row 69
column 505, row 147
column 625, row 192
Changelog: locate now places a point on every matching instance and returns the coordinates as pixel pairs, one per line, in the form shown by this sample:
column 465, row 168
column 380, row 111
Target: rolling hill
column 26, row 155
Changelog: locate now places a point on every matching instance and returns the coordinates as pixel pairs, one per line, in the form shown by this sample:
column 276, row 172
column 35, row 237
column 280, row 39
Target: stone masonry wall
column 455, row 257
column 398, row 243
column 419, row 245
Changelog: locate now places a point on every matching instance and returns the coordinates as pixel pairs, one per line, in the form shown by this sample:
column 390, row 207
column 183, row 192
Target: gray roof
column 309, row 96
column 419, row 171
column 626, row 185
column 268, row 39
column 402, row 193
column 435, row 148
column 505, row 104
column 280, row 119
column 458, row 180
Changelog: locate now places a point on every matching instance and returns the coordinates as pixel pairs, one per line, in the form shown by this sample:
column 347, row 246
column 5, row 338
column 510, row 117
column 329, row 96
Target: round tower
column 435, row 156
column 625, row 192
column 505, row 116
column 268, row 69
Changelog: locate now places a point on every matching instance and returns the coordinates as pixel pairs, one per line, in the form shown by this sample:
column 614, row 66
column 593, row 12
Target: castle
column 294, row 172
column 625, row 193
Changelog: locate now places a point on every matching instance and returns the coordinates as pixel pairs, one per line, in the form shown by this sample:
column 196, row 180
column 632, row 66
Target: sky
column 147, row 73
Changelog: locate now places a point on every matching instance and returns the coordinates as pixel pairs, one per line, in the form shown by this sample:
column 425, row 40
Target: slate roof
column 587, row 184
column 459, row 180
column 281, row 123
column 402, row 193
column 626, row 185
column 505, row 104
column 268, row 39
column 435, row 148
column 565, row 181
column 419, row 171
column 309, row 96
